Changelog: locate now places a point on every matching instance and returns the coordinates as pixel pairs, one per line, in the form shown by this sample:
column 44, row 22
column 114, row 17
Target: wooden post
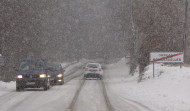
column 153, row 69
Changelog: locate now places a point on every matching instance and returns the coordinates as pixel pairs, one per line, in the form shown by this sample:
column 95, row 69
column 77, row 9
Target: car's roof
column 33, row 59
column 93, row 63
column 57, row 65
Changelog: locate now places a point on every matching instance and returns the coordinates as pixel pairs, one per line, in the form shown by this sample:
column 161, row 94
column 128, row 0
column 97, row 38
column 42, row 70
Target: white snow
column 65, row 64
column 6, row 87
column 91, row 97
column 168, row 91
column 73, row 67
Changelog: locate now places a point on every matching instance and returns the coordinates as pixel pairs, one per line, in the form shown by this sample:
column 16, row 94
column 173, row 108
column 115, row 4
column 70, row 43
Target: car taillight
column 86, row 69
column 100, row 69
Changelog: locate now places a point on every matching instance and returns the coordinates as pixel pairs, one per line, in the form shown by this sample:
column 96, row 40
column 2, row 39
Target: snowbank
column 7, row 84
column 6, row 87
column 168, row 91
column 72, row 68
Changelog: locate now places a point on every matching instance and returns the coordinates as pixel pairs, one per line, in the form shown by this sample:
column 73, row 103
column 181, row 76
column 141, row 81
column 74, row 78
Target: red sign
column 166, row 57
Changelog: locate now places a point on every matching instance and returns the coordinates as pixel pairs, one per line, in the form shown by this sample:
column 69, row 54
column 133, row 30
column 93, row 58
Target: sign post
column 153, row 69
column 1, row 60
column 166, row 57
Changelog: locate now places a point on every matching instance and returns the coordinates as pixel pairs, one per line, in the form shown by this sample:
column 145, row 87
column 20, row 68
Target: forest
column 69, row 30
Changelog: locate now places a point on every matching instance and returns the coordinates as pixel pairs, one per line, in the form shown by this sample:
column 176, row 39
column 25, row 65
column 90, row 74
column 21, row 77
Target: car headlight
column 19, row 76
column 42, row 75
column 59, row 75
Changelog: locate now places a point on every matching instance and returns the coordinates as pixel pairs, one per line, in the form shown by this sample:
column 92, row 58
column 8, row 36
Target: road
column 92, row 96
column 56, row 99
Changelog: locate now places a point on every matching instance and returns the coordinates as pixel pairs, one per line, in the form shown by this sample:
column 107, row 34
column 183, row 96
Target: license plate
column 92, row 71
column 30, row 83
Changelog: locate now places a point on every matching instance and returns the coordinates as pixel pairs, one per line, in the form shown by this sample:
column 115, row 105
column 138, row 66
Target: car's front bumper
column 31, row 83
column 59, row 79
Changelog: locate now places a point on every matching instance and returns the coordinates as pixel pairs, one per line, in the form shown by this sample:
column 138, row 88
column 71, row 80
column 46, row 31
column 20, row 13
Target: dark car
column 58, row 74
column 33, row 73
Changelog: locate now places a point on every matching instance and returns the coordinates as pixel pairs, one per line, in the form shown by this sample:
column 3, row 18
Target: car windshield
column 31, row 65
column 92, row 66
column 58, row 68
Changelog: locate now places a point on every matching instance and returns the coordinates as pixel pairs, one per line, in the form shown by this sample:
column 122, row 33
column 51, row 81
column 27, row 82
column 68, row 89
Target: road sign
column 167, row 57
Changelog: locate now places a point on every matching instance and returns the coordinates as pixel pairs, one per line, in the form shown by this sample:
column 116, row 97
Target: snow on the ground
column 168, row 91
column 65, row 64
column 7, row 84
column 91, row 97
column 6, row 87
column 57, row 98
column 70, row 69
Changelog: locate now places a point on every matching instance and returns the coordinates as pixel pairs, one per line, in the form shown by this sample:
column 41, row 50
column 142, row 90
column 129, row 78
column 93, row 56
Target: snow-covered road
column 122, row 92
column 91, row 97
column 56, row 99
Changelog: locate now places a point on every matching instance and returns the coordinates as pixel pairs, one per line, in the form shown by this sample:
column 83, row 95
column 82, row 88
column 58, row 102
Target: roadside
column 169, row 91
column 6, row 87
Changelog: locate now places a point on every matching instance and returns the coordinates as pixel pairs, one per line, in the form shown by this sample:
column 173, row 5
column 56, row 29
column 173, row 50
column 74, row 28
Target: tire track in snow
column 12, row 98
column 129, row 104
column 34, row 96
column 102, row 88
column 71, row 106
column 140, row 104
column 109, row 105
column 8, row 97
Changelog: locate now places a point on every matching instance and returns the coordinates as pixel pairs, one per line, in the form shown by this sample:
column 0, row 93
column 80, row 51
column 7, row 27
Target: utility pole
column 185, row 30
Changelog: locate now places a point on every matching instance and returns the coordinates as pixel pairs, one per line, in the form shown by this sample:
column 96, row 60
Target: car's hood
column 31, row 72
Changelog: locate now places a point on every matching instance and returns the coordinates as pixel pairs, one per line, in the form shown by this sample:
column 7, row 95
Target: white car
column 93, row 70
